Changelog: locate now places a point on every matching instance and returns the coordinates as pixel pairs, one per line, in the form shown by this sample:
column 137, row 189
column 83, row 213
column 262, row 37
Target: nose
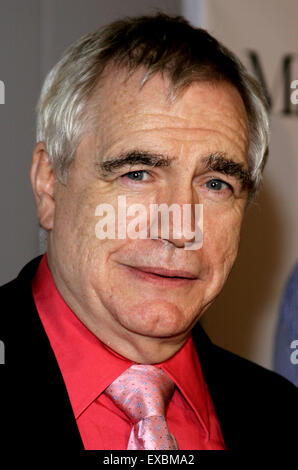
column 178, row 217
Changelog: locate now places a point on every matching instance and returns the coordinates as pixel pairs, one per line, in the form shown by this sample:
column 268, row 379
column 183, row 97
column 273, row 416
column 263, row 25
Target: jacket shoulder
column 234, row 371
column 259, row 403
column 16, row 299
column 254, row 405
column 253, row 376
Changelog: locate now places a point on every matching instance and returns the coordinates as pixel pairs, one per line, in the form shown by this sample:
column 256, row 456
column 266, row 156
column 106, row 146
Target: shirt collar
column 185, row 370
column 88, row 366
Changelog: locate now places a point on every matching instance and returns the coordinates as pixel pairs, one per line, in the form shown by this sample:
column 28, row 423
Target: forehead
column 203, row 112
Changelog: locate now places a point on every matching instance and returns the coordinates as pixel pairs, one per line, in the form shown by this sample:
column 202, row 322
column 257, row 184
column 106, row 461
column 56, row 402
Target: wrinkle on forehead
column 124, row 107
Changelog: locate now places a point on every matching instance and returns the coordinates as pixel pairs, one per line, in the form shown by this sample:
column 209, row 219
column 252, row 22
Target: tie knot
column 142, row 391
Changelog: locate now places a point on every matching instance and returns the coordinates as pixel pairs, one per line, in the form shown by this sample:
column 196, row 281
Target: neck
column 144, row 350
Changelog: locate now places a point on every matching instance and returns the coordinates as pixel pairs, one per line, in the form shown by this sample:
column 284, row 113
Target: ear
column 42, row 180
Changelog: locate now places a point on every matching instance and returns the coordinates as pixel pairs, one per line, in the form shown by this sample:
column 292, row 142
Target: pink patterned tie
column 143, row 392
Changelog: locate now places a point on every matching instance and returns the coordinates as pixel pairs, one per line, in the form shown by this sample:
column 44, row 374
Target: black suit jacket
column 256, row 408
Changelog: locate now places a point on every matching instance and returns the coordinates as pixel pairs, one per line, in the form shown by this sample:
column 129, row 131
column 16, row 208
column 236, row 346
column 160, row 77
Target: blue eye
column 136, row 175
column 217, row 185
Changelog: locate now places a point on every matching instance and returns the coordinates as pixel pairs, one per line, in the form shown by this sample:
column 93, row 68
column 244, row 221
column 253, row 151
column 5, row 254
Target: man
column 154, row 111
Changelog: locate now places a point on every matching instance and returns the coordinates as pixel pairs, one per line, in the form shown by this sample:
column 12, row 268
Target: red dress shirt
column 88, row 366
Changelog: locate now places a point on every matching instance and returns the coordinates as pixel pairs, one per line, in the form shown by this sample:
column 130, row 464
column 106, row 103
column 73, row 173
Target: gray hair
column 159, row 44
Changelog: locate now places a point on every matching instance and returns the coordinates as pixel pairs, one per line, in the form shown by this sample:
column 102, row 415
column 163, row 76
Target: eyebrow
column 218, row 161
column 133, row 158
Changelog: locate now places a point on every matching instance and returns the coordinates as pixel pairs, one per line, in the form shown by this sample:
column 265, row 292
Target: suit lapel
column 219, row 379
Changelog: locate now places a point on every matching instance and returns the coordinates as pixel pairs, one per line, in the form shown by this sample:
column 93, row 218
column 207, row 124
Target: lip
column 162, row 276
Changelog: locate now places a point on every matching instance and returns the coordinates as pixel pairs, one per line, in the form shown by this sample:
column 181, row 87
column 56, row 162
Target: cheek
column 221, row 240
column 73, row 234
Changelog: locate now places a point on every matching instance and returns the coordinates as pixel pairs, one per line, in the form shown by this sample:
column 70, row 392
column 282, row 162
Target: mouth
column 162, row 276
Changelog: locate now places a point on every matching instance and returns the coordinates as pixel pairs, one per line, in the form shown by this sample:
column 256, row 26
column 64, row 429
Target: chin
column 155, row 319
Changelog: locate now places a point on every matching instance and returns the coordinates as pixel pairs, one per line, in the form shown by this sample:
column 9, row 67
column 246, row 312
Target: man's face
column 100, row 279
